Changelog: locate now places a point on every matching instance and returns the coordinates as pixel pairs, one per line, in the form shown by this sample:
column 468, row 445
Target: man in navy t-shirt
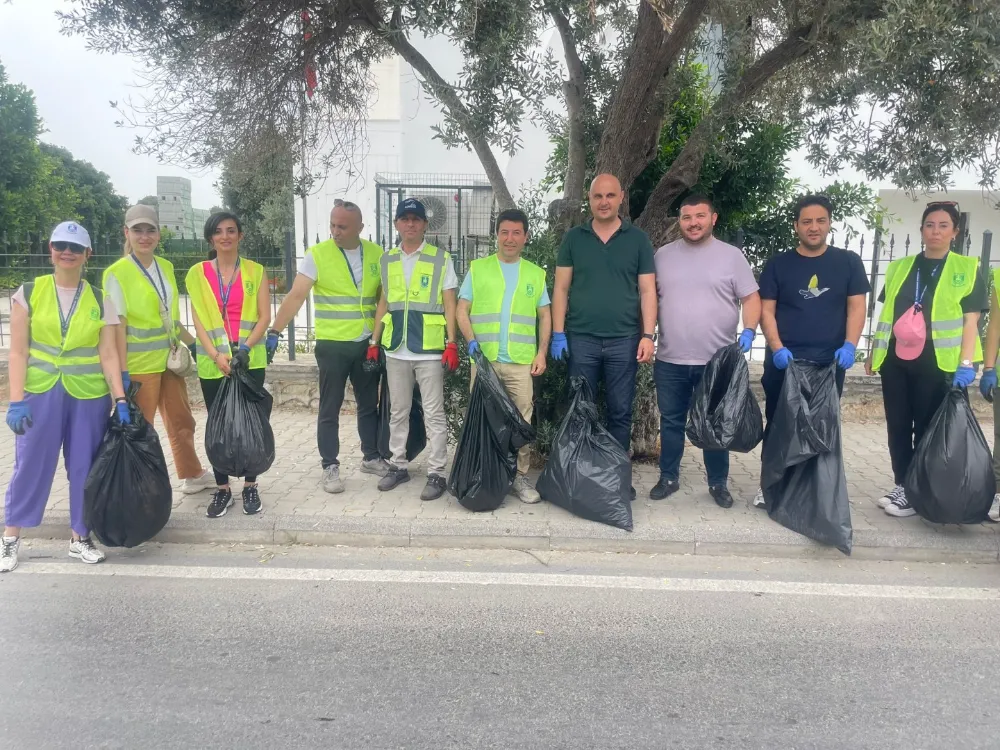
column 813, row 303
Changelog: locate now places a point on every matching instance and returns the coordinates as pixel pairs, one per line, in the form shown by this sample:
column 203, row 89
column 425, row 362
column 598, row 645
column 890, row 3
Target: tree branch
column 573, row 87
column 686, row 168
column 638, row 105
column 444, row 93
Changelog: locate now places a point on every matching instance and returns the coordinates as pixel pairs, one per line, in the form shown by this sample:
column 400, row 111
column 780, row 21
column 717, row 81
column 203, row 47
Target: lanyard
column 351, row 270
column 161, row 291
column 224, row 292
column 65, row 320
column 919, row 293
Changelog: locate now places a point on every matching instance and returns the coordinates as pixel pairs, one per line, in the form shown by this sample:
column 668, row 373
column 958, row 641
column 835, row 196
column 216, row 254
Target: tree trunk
column 576, row 171
column 632, row 128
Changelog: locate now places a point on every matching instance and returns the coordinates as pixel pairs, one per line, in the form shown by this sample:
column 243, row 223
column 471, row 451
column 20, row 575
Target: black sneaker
column 222, row 500
column 664, row 488
column 393, row 479
column 251, row 500
column 721, row 496
column 434, row 488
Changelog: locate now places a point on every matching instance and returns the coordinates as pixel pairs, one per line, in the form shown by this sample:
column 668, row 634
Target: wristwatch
column 966, row 363
column 276, row 332
column 649, row 336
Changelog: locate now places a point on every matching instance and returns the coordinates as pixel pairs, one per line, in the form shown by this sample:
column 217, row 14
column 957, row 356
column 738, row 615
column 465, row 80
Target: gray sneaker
column 435, row 487
column 331, row 480
column 523, row 489
column 84, row 550
column 376, row 466
column 8, row 553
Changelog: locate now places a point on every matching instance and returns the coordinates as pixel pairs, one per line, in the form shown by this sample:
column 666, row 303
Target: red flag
column 310, row 70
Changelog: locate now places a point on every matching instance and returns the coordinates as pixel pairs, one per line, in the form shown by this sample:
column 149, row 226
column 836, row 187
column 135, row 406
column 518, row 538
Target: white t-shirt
column 307, row 267
column 450, row 282
column 66, row 296
column 113, row 289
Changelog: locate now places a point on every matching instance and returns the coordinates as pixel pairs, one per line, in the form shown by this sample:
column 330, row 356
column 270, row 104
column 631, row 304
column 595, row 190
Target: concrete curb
column 925, row 543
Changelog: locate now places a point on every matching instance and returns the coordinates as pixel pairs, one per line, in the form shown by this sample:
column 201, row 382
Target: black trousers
column 911, row 392
column 339, row 361
column 210, row 389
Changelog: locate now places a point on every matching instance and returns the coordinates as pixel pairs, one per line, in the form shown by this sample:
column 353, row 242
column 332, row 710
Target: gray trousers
column 429, row 375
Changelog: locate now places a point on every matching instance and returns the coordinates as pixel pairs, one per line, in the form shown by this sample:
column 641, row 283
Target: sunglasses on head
column 934, row 204
column 71, row 246
column 341, row 203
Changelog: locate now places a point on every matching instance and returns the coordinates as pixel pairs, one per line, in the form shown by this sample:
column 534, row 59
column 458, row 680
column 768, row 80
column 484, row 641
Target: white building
column 400, row 143
column 175, row 210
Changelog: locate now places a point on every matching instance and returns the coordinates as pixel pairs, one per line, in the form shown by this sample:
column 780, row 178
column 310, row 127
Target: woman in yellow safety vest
column 231, row 306
column 61, row 364
column 144, row 290
column 926, row 339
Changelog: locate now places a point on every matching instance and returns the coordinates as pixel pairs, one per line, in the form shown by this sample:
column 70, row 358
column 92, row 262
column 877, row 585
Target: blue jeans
column 674, row 386
column 591, row 356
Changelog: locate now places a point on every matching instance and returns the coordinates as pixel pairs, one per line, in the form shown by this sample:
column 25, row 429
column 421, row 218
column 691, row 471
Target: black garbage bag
column 239, row 440
column 802, row 465
column 127, row 496
column 588, row 472
column 486, row 457
column 416, row 438
column 724, row 414
column 950, row 479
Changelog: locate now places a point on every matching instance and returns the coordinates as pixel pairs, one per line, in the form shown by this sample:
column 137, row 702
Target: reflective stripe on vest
column 343, row 311
column 416, row 309
column 958, row 277
column 148, row 341
column 488, row 292
column 75, row 361
column 206, row 307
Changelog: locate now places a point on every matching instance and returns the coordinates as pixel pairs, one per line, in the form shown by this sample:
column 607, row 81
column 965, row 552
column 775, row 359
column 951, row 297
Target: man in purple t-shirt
column 700, row 284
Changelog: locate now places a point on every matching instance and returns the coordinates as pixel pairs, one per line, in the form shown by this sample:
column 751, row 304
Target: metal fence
column 24, row 258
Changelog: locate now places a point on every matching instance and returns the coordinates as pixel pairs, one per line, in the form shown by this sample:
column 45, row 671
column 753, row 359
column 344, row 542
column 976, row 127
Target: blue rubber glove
column 126, row 380
column 473, row 348
column 964, row 377
column 846, row 356
column 746, row 339
column 19, row 417
column 988, row 382
column 782, row 357
column 271, row 345
column 559, row 348
column 123, row 414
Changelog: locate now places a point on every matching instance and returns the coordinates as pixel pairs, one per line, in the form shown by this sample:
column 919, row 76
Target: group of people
column 615, row 304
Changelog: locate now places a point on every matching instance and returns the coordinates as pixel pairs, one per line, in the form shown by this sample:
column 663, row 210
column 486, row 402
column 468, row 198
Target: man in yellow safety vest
column 504, row 311
column 415, row 323
column 344, row 274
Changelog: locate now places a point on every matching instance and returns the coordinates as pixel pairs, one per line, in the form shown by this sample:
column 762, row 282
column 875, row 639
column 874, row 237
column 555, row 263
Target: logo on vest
column 425, row 281
column 372, row 268
column 95, row 313
column 249, row 287
column 530, row 290
column 958, row 279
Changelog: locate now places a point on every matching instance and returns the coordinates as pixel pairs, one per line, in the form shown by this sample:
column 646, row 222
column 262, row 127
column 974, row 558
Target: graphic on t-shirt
column 813, row 289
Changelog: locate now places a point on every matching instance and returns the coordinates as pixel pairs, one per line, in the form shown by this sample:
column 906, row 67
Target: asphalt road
column 175, row 647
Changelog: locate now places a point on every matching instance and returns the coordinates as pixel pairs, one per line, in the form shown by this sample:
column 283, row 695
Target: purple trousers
column 60, row 421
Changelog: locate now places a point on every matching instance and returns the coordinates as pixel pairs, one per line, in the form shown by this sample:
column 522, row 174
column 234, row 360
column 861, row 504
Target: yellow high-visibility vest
column 344, row 308
column 415, row 310
column 488, row 291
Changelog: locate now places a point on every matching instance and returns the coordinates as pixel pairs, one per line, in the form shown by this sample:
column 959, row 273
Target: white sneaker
column 890, row 497
column 758, row 499
column 377, row 466
column 83, row 549
column 193, row 485
column 523, row 489
column 8, row 553
column 900, row 507
column 331, row 480
column 995, row 508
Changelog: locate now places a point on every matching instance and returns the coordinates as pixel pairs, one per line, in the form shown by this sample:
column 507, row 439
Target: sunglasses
column 933, row 204
column 340, row 203
column 71, row 246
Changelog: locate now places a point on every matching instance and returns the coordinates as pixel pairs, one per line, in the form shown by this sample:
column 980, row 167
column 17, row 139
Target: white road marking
column 468, row 578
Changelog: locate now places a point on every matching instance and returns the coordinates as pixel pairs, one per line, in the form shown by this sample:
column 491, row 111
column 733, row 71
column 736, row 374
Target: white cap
column 70, row 231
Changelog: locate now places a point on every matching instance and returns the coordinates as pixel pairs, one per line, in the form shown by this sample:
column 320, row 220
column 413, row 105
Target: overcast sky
column 73, row 87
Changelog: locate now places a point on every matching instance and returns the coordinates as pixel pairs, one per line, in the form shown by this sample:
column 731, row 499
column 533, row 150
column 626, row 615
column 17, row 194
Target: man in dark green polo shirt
column 604, row 269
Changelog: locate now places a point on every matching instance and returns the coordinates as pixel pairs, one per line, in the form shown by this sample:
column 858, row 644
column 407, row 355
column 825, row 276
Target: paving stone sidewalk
column 294, row 505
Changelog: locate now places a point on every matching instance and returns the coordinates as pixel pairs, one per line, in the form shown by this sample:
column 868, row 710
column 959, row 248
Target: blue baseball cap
column 411, row 206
